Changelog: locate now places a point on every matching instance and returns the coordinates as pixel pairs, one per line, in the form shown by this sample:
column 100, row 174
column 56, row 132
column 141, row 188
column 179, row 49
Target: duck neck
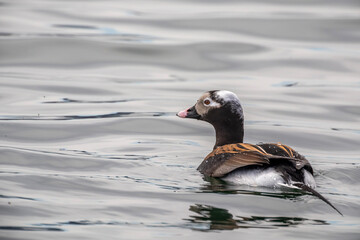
column 229, row 132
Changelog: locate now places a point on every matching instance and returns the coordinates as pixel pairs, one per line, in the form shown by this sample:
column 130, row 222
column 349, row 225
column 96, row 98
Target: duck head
column 223, row 110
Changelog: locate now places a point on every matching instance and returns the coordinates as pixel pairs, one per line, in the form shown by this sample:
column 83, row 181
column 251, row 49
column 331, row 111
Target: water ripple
column 18, row 197
column 18, row 228
column 68, row 100
column 76, row 117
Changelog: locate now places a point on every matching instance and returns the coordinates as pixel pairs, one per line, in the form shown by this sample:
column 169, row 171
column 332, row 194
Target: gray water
column 90, row 147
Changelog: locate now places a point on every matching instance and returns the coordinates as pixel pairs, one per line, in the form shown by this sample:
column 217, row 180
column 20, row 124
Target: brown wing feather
column 240, row 160
column 229, row 157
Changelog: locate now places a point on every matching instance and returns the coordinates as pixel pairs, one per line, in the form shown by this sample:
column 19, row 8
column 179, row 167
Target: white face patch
column 227, row 96
column 232, row 99
column 208, row 102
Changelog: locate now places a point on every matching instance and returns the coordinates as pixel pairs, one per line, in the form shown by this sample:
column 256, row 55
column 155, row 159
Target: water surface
column 90, row 146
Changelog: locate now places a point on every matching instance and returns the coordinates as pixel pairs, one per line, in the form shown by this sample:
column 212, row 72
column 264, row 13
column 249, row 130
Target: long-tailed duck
column 265, row 164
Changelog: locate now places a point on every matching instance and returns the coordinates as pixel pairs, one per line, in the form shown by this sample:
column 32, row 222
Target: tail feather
column 315, row 193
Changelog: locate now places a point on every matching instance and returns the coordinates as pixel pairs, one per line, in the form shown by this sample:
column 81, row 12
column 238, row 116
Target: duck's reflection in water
column 209, row 218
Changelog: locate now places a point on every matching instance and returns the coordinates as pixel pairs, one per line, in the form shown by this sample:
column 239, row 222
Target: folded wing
column 227, row 158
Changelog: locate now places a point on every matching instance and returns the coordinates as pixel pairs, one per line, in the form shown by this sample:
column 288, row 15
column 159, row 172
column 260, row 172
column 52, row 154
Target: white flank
column 256, row 177
column 264, row 178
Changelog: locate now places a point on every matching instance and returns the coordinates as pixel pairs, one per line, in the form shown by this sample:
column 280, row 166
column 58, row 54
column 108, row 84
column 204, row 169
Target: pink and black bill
column 189, row 113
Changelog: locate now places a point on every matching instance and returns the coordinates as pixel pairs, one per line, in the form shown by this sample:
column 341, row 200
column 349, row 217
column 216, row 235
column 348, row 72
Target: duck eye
column 206, row 101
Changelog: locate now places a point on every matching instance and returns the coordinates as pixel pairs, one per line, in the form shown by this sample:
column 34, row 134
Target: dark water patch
column 286, row 84
column 69, row 100
column 4, row 34
column 17, row 228
column 77, row 117
column 324, row 84
column 18, row 197
column 80, row 222
column 356, row 131
column 74, row 26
